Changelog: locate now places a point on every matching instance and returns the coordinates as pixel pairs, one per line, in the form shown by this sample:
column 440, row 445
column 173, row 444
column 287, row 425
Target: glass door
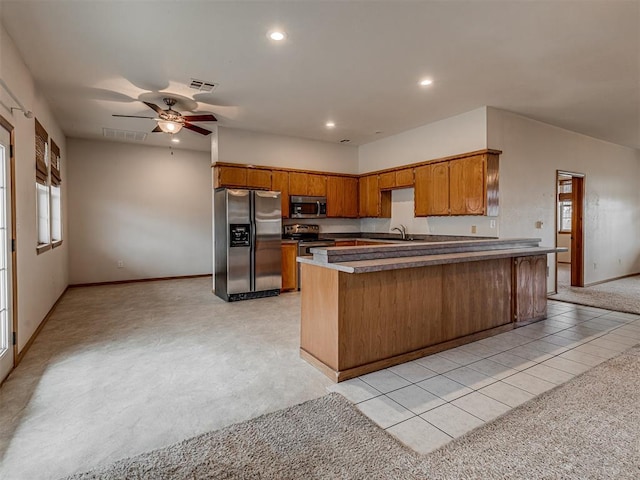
column 6, row 320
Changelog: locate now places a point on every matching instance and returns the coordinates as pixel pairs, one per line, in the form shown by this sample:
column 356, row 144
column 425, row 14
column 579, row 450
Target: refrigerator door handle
column 252, row 216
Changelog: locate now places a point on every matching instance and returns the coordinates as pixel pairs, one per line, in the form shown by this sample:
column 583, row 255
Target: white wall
column 140, row 205
column 532, row 152
column 462, row 133
column 459, row 134
column 41, row 278
column 253, row 148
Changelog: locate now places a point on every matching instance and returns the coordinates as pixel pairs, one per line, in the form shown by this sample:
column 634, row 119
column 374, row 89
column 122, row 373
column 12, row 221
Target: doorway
column 7, row 255
column 570, row 229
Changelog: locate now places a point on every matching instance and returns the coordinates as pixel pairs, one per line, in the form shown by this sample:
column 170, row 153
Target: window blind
column 42, row 140
column 56, row 180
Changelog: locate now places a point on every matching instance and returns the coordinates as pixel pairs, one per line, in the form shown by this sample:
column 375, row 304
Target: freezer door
column 238, row 232
column 267, row 245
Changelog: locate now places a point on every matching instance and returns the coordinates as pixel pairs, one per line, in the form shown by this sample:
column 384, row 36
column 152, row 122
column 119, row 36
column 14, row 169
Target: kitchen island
column 366, row 308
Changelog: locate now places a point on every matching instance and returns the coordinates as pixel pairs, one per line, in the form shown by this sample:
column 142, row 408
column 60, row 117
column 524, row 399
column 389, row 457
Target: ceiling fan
column 171, row 121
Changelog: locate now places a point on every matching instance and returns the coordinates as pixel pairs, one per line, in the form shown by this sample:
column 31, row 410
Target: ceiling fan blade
column 131, row 116
column 193, row 128
column 156, row 130
column 154, row 107
column 200, row 118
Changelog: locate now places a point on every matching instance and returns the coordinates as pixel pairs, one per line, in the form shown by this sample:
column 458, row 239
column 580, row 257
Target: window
column 56, row 200
column 48, row 193
column 42, row 188
column 564, row 205
column 42, row 205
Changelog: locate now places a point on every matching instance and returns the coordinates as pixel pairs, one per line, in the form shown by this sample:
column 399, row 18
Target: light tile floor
column 432, row 400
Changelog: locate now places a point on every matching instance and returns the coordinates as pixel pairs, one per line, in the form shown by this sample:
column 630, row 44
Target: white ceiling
column 574, row 64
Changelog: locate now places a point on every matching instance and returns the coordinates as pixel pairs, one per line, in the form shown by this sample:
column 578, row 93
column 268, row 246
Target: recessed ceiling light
column 277, row 35
column 329, row 124
column 175, row 140
column 426, row 82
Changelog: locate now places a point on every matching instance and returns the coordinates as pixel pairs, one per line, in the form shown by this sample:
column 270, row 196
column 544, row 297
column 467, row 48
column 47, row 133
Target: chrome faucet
column 402, row 230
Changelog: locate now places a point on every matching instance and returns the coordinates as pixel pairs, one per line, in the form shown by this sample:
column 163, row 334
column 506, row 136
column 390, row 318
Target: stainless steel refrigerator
column 247, row 234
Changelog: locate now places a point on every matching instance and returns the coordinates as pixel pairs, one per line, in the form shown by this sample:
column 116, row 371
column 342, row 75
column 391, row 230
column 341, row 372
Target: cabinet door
column 432, row 190
column 289, row 266
column 345, row 243
column 350, row 189
column 467, row 194
column 368, row 201
column 317, row 185
column 259, row 178
column 387, row 180
column 531, row 288
column 298, row 183
column 404, row 177
column 342, row 197
column 280, row 183
column 232, row 176
column 335, row 197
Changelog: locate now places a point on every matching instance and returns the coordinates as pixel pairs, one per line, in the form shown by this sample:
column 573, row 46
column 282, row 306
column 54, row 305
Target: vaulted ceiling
column 571, row 64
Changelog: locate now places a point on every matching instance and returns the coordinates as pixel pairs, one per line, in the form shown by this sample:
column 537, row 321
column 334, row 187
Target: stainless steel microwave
column 308, row 207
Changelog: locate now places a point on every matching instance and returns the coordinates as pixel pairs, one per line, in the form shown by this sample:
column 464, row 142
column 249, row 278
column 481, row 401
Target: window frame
column 48, row 177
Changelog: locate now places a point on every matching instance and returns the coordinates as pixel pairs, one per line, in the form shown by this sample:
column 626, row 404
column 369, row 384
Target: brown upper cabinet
column 302, row 183
column 242, row 177
column 230, row 176
column 465, row 186
column 259, row 179
column 342, row 197
column 402, row 178
column 432, row 190
column 280, row 183
column 373, row 202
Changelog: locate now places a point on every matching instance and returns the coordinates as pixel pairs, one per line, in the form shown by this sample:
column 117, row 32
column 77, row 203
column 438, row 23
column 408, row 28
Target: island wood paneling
column 320, row 332
column 476, row 296
column 354, row 323
column 384, row 314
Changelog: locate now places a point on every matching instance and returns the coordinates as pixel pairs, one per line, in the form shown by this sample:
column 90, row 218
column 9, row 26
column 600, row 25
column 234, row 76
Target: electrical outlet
column 120, row 264
column 595, row 265
column 474, row 229
column 492, row 224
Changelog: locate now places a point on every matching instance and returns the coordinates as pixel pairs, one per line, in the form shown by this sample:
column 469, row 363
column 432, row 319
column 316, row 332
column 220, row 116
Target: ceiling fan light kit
column 172, row 121
column 168, row 126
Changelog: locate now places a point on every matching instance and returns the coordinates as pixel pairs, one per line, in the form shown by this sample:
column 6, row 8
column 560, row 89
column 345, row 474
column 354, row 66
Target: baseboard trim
column 35, row 334
column 611, row 279
column 137, row 280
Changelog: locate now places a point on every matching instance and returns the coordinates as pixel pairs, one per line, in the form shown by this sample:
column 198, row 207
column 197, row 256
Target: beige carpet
column 587, row 428
column 622, row 295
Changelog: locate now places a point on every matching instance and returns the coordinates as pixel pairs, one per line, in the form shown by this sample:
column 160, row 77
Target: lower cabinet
column 530, row 284
column 345, row 243
column 289, row 266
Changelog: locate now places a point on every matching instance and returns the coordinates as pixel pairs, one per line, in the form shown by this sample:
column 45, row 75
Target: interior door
column 6, row 279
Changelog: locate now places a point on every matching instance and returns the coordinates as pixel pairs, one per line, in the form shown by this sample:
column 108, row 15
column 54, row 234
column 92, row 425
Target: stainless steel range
column 308, row 237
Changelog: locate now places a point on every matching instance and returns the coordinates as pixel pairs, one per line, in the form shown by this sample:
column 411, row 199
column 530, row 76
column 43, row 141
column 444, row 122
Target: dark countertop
column 372, row 258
